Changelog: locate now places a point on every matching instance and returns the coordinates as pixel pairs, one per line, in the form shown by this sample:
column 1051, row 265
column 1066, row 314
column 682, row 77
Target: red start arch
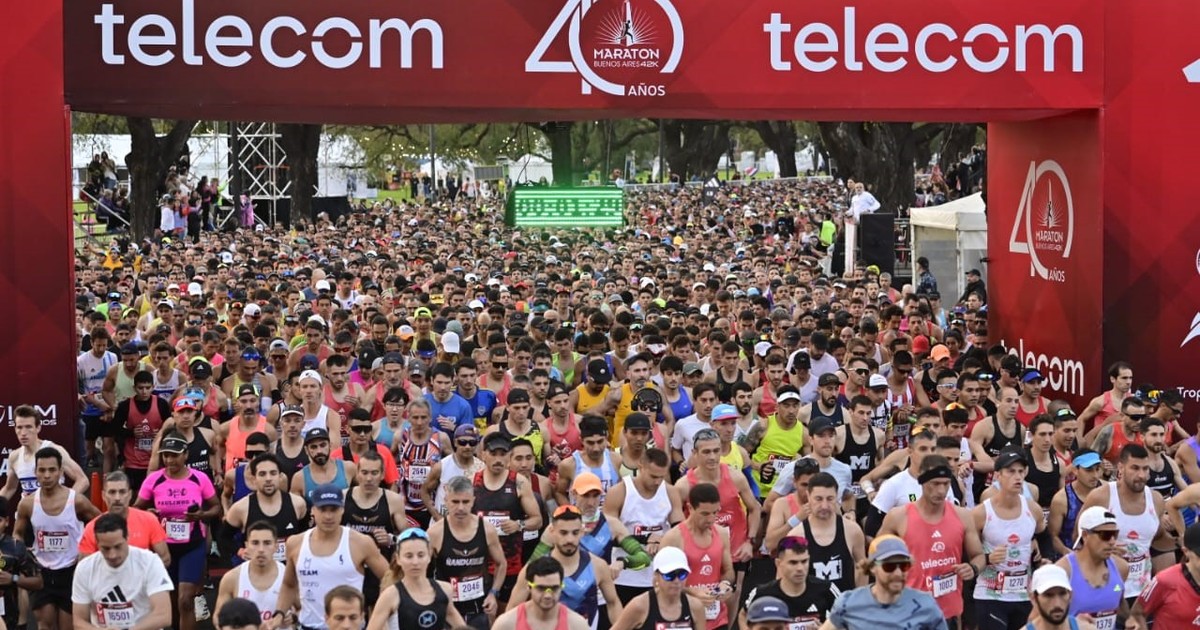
column 1092, row 109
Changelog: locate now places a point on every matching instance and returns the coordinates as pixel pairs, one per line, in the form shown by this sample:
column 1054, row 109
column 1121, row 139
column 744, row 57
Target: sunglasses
column 1106, row 536
column 566, row 509
column 253, row 454
column 678, row 575
column 947, row 386
column 466, row 443
column 890, row 567
column 544, row 588
column 862, row 371
column 412, row 532
column 1137, row 416
column 365, row 428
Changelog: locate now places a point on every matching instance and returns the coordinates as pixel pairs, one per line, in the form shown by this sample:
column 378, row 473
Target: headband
column 941, row 472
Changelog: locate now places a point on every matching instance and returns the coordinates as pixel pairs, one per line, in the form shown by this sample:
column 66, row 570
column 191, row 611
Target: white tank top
column 265, row 600
column 1133, row 543
column 166, row 389
column 319, row 421
column 1009, row 580
column 643, row 518
column 318, row 575
column 92, row 372
column 450, row 470
column 56, row 538
column 905, row 399
column 26, row 468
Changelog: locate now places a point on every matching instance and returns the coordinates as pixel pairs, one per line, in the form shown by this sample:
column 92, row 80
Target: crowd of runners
column 415, row 417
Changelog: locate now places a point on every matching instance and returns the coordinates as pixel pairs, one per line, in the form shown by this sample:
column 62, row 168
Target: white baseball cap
column 670, row 559
column 1048, row 577
column 1094, row 518
column 195, row 289
column 450, row 342
column 323, row 285
column 877, row 380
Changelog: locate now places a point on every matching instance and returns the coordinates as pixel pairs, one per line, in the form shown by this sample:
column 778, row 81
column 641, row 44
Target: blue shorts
column 188, row 563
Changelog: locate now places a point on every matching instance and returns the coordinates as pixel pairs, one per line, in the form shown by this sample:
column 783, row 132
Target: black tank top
column 655, row 620
column 410, row 614
column 859, row 457
column 366, row 519
column 815, row 412
column 832, row 563
column 999, row 440
column 289, row 466
column 1046, row 482
column 497, row 505
column 725, row 389
column 461, row 562
column 198, row 453
column 1163, row 480
column 285, row 520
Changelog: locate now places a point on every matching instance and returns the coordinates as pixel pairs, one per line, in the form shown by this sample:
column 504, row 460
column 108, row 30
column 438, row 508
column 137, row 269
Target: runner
column 1172, row 598
column 706, row 408
column 826, row 405
column 1044, row 473
column 1096, row 572
column 321, row 469
column 51, row 516
column 1104, row 406
column 184, row 498
column 122, row 586
column 418, row 449
column 1068, row 502
column 463, row 462
column 21, row 464
column 667, row 605
column 316, row 414
column 515, row 420
column 595, row 457
column 992, row 436
column 308, row 588
column 359, row 423
column 144, row 530
column 890, row 563
column 708, row 550
column 804, row 600
column 1136, row 508
column 1053, row 596
column 506, row 501
column 93, row 367
column 543, row 611
column 140, row 418
column 778, row 441
column 860, row 446
column 19, row 572
column 1007, row 523
column 468, row 553
column 269, row 502
column 412, row 600
column 1125, row 428
column 230, row 438
column 198, row 441
column 258, row 579
column 946, row 547
column 588, row 579
column 647, row 506
column 835, row 544
column 289, row 450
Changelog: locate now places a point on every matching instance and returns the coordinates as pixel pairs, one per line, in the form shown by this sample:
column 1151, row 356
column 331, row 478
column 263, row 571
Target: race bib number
column 857, row 491
column 29, row 484
column 417, row 475
column 178, row 531
column 145, row 444
column 1137, row 568
column 712, row 610
column 944, row 584
column 494, row 519
column 281, row 551
column 53, row 541
column 807, row 623
column 1014, row 582
column 1106, row 620
column 467, row 589
column 117, row 615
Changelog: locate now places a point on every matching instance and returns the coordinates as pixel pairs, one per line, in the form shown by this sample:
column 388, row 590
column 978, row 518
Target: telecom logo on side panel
column 1044, row 227
column 619, row 47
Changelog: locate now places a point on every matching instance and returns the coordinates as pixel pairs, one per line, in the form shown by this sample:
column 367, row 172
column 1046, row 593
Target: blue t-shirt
column 482, row 404
column 915, row 610
column 457, row 408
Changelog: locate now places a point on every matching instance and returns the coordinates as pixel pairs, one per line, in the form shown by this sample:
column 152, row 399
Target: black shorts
column 419, row 518
column 56, row 589
column 506, row 589
column 94, row 427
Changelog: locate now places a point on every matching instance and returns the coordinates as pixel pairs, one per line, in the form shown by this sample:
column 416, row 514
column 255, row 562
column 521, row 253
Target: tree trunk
column 301, row 145
column 880, row 155
column 562, row 161
column 780, row 136
column 694, row 147
column 150, row 156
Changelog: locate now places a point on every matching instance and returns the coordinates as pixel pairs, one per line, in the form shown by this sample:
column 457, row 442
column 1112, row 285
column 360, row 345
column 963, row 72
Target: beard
column 320, row 459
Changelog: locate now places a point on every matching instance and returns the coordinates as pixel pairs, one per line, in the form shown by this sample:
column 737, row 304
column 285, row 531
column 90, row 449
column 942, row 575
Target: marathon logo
column 8, row 414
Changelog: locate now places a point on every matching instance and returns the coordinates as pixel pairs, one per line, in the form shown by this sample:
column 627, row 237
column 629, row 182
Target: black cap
column 291, row 410
column 318, row 433
column 802, row 362
column 827, row 379
column 393, row 357
column 637, row 421
column 494, row 441
column 974, row 272
column 247, row 389
column 1008, row 458
column 516, row 396
column 598, row 371
column 239, row 613
column 130, row 348
column 200, row 369
column 556, row 389
column 821, row 424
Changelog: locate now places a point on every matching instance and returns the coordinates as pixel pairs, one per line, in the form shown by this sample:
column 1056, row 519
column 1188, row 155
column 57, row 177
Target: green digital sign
column 567, row 207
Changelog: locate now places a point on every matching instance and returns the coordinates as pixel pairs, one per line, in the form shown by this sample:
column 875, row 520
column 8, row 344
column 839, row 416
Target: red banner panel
column 1151, row 206
column 1045, row 242
column 37, row 331
column 375, row 61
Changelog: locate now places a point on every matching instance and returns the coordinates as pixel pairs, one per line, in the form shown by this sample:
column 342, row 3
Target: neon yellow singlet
column 778, row 447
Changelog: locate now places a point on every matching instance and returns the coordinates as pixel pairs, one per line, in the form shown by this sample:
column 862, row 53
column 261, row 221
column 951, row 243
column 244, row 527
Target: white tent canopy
column 530, row 168
column 953, row 236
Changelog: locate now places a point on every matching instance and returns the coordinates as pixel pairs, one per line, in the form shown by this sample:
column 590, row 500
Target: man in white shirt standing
column 122, row 586
column 861, row 202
